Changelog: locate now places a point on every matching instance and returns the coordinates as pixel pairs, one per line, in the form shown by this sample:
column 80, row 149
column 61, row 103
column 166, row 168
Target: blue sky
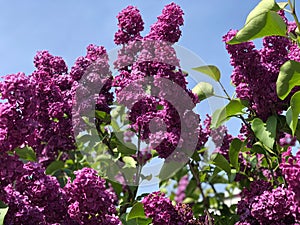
column 66, row 27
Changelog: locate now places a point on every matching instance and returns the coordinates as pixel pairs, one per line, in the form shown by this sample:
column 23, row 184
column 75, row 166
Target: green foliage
column 282, row 5
column 210, row 70
column 293, row 111
column 103, row 116
column 203, row 90
column 233, row 108
column 3, row 212
column 137, row 211
column 169, row 169
column 220, row 161
column 288, row 78
column 262, row 21
column 2, row 205
column 129, row 162
column 234, row 151
column 26, row 154
column 265, row 132
column 54, row 166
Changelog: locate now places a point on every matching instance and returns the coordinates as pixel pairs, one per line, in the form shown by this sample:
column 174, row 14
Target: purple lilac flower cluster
column 37, row 109
column 290, row 167
column 151, row 61
column 89, row 200
column 91, row 89
column 36, row 112
column 53, row 122
column 261, row 204
column 160, row 209
column 34, row 197
column 17, row 111
column 255, row 71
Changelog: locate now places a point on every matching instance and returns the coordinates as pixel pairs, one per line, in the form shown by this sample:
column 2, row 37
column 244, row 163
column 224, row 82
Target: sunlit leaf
column 262, row 21
column 203, row 90
column 209, row 70
column 288, row 78
column 293, row 111
column 233, row 108
column 265, row 132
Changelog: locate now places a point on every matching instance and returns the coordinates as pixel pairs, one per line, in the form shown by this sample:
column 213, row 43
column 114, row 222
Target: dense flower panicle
column 92, row 89
column 290, row 167
column 90, row 202
column 167, row 27
column 53, row 88
column 20, row 210
column 10, row 135
column 204, row 132
column 130, row 25
column 274, row 207
column 152, row 61
column 10, row 169
column 54, row 65
column 158, row 207
column 261, row 204
column 37, row 112
column 255, row 71
column 33, row 195
column 17, row 121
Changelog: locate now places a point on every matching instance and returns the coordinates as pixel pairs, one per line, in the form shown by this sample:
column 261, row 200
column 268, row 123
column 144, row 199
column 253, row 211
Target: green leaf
column 103, row 116
column 129, row 162
column 258, row 148
column 54, row 166
column 203, row 90
column 188, row 200
column 293, row 112
column 234, row 151
column 144, row 221
column 126, row 148
column 262, row 21
column 2, row 205
column 137, row 211
column 210, row 70
column 282, row 5
column 288, row 78
column 2, row 215
column 220, row 161
column 169, row 169
column 233, row 108
column 265, row 132
column 263, row 7
column 26, row 153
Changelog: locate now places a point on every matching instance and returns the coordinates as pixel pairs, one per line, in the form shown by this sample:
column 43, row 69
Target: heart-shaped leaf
column 233, row 108
column 293, row 111
column 288, row 78
column 262, row 21
column 210, row 70
column 137, row 211
column 265, row 132
column 234, row 151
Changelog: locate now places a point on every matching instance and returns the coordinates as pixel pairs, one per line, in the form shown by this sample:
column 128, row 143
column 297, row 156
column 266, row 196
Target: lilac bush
column 66, row 158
